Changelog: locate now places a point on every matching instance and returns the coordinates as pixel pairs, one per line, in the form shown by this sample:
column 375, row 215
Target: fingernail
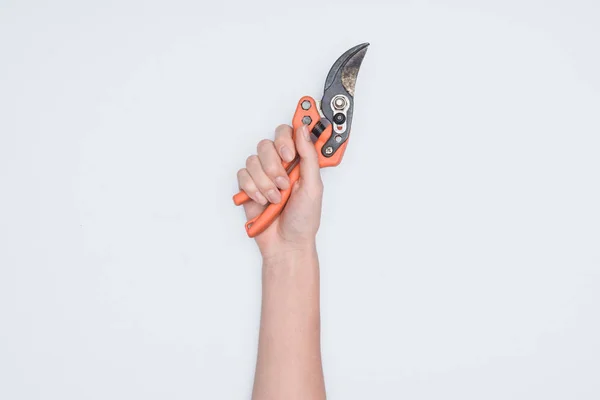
column 286, row 153
column 282, row 183
column 274, row 196
column 260, row 198
column 305, row 133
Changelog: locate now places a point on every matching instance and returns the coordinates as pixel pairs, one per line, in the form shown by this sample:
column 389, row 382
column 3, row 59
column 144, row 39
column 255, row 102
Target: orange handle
column 240, row 198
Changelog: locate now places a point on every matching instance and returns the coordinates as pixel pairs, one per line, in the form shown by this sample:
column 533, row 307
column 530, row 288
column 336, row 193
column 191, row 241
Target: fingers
column 247, row 185
column 309, row 160
column 271, row 164
column 264, row 184
column 264, row 175
column 284, row 144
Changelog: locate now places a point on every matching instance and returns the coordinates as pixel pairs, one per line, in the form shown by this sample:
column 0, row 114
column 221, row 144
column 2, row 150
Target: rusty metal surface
column 351, row 58
column 350, row 71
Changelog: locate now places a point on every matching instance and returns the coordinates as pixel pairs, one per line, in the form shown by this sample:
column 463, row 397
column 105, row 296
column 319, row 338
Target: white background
column 460, row 242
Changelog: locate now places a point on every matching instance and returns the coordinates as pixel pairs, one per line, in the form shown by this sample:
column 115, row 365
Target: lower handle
column 241, row 197
column 258, row 224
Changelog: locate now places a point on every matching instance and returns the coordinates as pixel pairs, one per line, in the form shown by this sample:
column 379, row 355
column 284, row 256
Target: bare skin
column 289, row 353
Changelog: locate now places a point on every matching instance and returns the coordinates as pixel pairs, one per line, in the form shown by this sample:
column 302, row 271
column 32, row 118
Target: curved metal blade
column 339, row 85
column 345, row 69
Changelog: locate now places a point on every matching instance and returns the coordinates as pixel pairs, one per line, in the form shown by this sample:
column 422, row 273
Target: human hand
column 297, row 226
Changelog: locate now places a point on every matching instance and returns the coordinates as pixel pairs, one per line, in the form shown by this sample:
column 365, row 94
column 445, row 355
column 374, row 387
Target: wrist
column 288, row 253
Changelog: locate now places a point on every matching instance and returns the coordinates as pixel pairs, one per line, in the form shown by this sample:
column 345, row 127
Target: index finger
column 284, row 142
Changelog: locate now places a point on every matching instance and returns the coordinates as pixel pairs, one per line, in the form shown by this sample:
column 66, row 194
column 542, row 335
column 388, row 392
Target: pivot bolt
column 329, row 150
column 305, row 105
column 339, row 103
column 306, row 120
column 338, row 138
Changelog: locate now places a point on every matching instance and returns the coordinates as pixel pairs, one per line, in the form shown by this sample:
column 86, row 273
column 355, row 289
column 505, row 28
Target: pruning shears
column 329, row 121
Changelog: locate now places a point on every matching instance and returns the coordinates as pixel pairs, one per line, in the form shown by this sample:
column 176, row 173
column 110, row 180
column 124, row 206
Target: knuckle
column 264, row 144
column 265, row 186
column 283, row 129
column 273, row 169
column 284, row 140
column 320, row 185
column 247, row 185
column 244, row 179
column 319, row 189
column 252, row 161
column 316, row 188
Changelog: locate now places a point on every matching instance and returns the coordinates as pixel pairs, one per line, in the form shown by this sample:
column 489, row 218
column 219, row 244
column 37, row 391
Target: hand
column 297, row 226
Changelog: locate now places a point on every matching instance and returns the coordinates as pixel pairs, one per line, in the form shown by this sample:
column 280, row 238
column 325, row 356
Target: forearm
column 289, row 354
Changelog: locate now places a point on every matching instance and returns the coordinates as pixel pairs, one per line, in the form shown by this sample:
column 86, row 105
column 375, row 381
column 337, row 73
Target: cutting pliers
column 329, row 121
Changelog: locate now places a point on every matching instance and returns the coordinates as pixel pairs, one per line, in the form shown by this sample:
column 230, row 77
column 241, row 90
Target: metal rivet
column 338, row 138
column 305, row 105
column 339, row 118
column 306, row 120
column 329, row 150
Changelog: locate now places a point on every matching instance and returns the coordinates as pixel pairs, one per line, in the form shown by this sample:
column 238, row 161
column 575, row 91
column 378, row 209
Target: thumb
column 309, row 159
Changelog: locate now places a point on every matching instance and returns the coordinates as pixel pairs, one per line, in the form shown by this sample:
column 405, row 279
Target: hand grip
column 241, row 197
column 258, row 224
column 306, row 114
